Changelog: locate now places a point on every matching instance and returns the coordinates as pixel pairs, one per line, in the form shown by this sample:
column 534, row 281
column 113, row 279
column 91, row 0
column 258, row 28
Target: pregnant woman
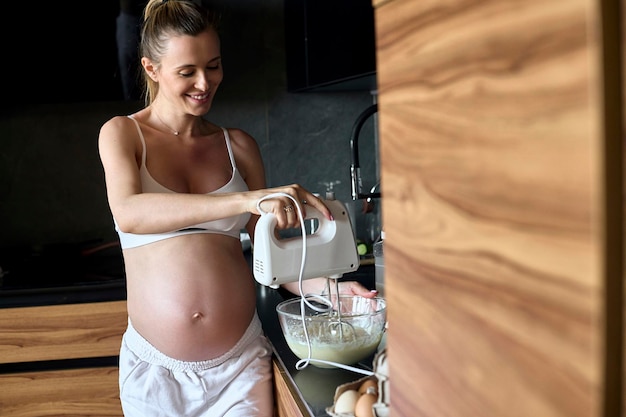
column 180, row 189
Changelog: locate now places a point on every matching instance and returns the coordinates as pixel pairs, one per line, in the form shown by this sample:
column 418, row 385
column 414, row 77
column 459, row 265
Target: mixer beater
column 334, row 314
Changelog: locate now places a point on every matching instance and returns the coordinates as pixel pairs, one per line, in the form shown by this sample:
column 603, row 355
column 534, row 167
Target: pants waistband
column 148, row 353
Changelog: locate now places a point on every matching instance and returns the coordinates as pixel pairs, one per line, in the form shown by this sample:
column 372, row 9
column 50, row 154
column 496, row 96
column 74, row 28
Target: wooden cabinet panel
column 72, row 331
column 62, row 331
column 286, row 404
column 493, row 207
column 77, row 392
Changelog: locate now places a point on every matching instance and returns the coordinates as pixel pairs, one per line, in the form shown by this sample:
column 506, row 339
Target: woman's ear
column 149, row 68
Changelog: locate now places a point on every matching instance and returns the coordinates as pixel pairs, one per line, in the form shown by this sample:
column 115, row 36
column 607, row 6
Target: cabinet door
column 495, row 207
column 330, row 45
column 68, row 392
column 67, row 331
column 31, row 337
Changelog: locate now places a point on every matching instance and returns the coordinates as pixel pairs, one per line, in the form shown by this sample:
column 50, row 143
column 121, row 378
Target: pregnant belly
column 194, row 328
column 192, row 296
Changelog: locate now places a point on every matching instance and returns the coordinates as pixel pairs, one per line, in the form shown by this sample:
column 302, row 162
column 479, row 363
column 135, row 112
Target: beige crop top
column 230, row 226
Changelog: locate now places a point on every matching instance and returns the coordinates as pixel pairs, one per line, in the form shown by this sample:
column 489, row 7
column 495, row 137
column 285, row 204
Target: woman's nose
column 202, row 82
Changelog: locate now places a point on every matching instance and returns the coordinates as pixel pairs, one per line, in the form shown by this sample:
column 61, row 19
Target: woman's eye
column 214, row 67
column 186, row 74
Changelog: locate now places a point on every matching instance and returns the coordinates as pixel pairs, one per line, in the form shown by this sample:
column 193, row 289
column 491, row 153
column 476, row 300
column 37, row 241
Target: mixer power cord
column 304, row 298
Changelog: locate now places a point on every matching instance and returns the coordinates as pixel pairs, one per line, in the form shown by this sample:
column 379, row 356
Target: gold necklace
column 175, row 132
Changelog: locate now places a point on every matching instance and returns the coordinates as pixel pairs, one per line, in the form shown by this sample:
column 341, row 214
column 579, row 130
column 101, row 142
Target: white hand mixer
column 328, row 251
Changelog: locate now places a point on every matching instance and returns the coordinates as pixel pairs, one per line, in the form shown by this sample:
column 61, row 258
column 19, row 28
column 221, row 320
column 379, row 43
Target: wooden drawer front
column 76, row 392
column 285, row 401
column 61, row 332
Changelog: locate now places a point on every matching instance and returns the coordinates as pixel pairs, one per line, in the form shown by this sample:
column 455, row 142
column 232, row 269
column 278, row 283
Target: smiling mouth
column 199, row 96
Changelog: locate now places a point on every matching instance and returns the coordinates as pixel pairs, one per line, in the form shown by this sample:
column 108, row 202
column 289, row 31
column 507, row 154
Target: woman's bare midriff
column 192, row 296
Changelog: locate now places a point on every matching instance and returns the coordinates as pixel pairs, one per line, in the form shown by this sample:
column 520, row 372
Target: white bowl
column 344, row 335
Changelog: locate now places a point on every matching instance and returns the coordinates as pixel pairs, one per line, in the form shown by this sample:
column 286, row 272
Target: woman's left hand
column 317, row 285
column 356, row 288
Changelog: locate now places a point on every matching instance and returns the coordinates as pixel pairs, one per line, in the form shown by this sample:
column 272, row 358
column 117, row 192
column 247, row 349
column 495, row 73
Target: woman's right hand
column 284, row 208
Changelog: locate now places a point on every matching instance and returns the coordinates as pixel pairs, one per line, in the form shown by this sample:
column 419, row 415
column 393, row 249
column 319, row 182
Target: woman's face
column 191, row 71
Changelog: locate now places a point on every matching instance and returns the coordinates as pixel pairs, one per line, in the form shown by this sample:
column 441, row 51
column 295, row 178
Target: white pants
column 236, row 384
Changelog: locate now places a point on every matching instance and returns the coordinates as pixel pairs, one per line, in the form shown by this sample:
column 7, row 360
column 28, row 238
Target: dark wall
column 51, row 181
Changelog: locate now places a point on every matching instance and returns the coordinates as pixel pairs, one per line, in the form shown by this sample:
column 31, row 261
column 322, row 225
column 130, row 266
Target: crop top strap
column 230, row 148
column 143, row 141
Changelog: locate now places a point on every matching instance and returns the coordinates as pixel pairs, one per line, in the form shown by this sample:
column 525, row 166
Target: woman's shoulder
column 117, row 123
column 239, row 135
column 119, row 131
column 246, row 151
column 241, row 138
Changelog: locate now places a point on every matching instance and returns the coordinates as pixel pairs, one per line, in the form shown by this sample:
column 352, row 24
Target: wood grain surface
column 491, row 154
column 286, row 402
column 62, row 331
column 79, row 392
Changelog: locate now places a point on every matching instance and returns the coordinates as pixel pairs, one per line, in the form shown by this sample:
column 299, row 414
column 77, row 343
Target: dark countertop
column 62, row 273
column 85, row 293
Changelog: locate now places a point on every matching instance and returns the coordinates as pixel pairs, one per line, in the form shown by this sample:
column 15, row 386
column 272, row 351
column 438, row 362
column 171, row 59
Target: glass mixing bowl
column 347, row 333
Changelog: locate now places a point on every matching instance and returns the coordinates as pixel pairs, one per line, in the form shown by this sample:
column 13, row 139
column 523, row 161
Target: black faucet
column 355, row 168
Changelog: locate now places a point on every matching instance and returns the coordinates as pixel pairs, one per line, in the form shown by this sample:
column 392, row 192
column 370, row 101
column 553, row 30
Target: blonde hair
column 163, row 19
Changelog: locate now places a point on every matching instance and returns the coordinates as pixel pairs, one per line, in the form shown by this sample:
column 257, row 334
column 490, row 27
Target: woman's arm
column 138, row 212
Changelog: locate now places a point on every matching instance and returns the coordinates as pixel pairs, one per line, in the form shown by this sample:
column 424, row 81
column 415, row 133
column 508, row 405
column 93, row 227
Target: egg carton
column 380, row 377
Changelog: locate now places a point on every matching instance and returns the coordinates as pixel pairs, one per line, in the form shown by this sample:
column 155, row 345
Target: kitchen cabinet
column 43, row 352
column 286, row 401
column 68, row 392
column 501, row 130
column 330, row 45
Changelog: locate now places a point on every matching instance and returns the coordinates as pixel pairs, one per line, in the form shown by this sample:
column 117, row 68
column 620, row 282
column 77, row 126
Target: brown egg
column 368, row 383
column 363, row 406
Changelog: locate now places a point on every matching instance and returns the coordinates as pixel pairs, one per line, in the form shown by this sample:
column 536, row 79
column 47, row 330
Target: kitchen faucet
column 355, row 168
